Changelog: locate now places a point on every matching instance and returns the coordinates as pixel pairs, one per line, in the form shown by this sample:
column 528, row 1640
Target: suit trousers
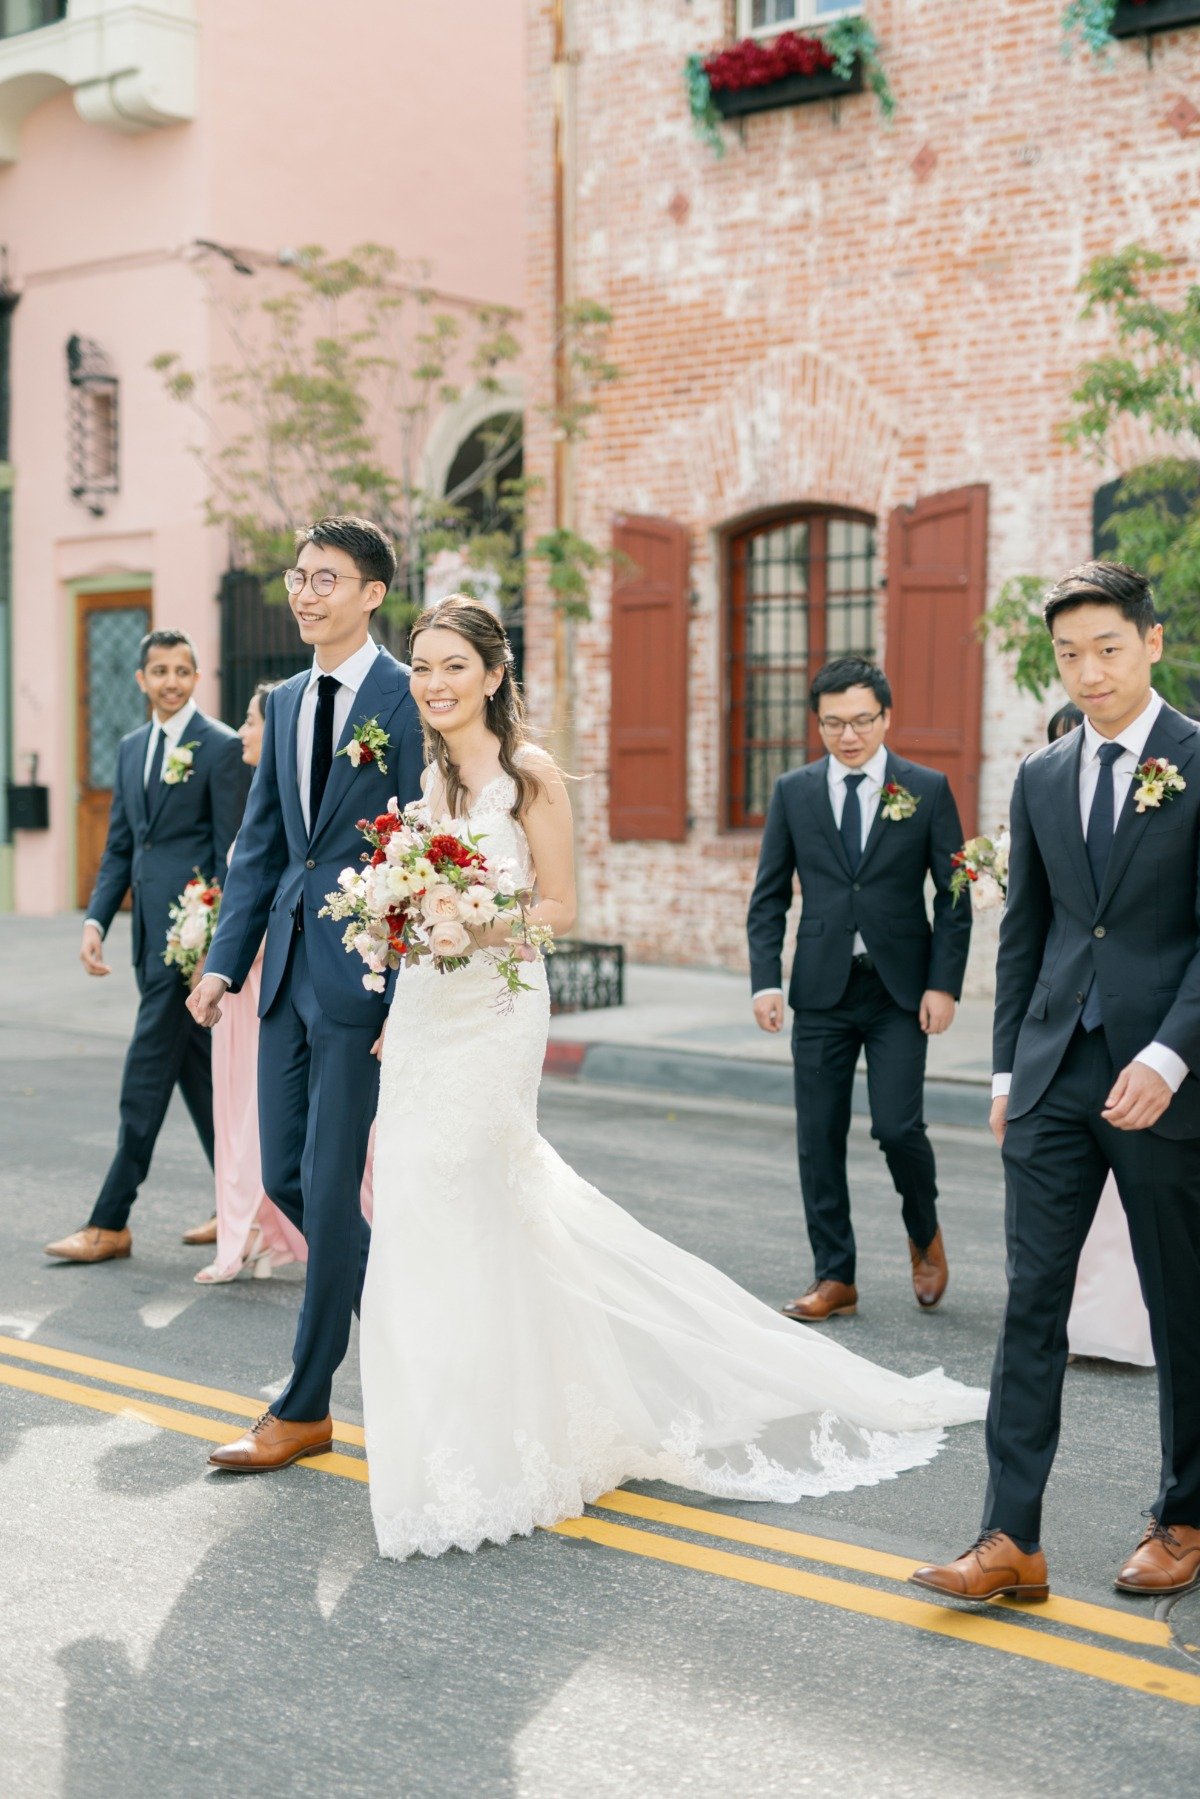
column 167, row 1049
column 318, row 1085
column 825, row 1051
column 1056, row 1159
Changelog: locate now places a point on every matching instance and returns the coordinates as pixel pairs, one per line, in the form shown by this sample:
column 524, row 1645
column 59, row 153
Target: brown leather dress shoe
column 824, row 1299
column 1167, row 1560
column 992, row 1568
column 930, row 1273
column 91, row 1244
column 273, row 1443
column 201, row 1233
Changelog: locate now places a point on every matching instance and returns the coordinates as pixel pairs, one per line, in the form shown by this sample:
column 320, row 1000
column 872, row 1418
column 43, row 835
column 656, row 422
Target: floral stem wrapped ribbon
column 982, row 866
column 425, row 891
column 193, row 925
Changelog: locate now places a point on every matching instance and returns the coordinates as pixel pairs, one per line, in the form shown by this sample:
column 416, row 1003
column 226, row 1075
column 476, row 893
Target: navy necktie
column 322, row 747
column 852, row 822
column 1101, row 822
column 154, row 778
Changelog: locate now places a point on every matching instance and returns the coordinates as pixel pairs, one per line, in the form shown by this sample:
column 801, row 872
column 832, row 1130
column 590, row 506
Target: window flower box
column 788, row 90
column 1136, row 18
column 753, row 76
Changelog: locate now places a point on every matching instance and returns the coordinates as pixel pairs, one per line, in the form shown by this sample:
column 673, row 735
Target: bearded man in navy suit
column 177, row 802
column 863, row 829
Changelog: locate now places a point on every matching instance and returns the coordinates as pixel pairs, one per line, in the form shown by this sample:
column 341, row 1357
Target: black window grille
column 94, row 424
column 17, row 16
column 802, row 591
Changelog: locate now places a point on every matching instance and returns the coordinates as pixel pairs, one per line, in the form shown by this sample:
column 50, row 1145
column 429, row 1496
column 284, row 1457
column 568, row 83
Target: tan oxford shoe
column 273, row 1443
column 201, row 1234
column 1167, row 1560
column 824, row 1299
column 91, row 1244
column 992, row 1568
column 930, row 1273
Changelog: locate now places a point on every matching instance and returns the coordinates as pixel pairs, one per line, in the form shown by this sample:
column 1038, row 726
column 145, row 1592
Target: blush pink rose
column 440, row 903
column 448, row 938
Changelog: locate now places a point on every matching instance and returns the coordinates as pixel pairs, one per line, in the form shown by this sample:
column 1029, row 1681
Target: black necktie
column 852, row 821
column 154, row 778
column 1102, row 817
column 322, row 747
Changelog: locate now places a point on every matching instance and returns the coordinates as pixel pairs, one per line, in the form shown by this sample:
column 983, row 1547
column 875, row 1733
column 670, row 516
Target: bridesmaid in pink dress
column 253, row 1236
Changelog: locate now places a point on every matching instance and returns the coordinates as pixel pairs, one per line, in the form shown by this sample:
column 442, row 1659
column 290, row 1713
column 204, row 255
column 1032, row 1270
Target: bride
column 527, row 1345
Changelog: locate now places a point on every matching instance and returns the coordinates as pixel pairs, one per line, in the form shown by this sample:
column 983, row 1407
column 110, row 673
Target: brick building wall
column 840, row 311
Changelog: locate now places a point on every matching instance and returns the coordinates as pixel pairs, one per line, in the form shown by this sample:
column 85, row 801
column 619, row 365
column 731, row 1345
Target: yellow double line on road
column 1035, row 1637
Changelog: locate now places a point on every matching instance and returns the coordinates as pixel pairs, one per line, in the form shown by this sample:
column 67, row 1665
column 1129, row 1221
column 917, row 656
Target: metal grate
column 93, row 423
column 115, row 703
column 801, row 593
column 584, row 977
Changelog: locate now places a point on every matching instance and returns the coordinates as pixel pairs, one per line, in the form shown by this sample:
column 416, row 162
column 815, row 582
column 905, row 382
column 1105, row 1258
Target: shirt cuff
column 218, row 977
column 97, row 924
column 1165, row 1062
column 761, row 993
column 1000, row 1085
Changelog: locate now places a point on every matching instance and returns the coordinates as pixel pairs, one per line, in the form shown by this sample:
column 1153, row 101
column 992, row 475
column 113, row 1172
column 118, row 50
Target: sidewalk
column 692, row 1031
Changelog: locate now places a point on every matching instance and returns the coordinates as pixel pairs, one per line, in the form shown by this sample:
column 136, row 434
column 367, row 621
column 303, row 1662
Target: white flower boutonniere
column 367, row 745
column 1157, row 782
column 177, row 763
column 898, row 803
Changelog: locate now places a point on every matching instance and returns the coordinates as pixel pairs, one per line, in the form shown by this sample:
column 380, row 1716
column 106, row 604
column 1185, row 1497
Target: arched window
column 801, row 591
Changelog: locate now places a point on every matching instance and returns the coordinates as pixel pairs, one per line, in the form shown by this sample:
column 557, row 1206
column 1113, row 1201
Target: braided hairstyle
column 505, row 714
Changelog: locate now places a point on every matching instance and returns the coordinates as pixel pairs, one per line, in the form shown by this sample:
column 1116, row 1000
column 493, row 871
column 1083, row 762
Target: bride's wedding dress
column 527, row 1345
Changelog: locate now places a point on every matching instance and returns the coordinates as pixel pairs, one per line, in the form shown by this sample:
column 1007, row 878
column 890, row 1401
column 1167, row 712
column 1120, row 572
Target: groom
column 317, row 1078
column 1097, row 1040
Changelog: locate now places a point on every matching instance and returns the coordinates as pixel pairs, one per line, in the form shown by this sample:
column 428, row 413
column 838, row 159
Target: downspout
column 561, row 492
column 8, row 300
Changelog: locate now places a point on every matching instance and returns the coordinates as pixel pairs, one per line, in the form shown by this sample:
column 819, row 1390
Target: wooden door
column 648, row 726
column 109, row 703
column 936, row 587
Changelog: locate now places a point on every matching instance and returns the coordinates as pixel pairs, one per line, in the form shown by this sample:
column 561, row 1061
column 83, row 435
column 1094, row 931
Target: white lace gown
column 1108, row 1318
column 527, row 1346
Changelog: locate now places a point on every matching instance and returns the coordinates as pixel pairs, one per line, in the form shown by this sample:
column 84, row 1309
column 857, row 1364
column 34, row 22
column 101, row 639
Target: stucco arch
column 455, row 423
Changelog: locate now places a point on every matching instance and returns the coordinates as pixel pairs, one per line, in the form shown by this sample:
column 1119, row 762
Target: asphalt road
column 169, row 1632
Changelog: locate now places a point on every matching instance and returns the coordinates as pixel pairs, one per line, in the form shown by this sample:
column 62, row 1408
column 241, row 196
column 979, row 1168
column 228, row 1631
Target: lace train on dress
column 527, row 1345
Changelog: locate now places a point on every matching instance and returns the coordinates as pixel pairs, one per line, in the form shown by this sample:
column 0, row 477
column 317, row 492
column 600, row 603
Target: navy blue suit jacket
column 1139, row 938
column 883, row 900
column 193, row 822
column 279, row 868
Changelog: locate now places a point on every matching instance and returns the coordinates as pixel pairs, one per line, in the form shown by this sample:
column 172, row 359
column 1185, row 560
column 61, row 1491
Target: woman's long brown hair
column 505, row 714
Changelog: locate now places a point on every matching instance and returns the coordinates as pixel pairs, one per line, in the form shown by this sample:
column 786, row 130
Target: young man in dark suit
column 177, row 803
column 862, row 829
column 1096, row 1044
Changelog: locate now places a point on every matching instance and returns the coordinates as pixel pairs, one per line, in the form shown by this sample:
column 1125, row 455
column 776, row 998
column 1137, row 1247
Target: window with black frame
column 18, row 16
column 802, row 590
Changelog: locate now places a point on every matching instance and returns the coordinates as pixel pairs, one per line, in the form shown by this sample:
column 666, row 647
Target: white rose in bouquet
column 449, row 938
column 986, row 893
column 193, row 932
column 440, row 902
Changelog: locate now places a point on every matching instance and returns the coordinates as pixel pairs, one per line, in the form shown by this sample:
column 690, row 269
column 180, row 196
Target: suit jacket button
column 310, row 863
column 858, row 886
column 148, row 845
column 1099, row 931
column 1079, row 998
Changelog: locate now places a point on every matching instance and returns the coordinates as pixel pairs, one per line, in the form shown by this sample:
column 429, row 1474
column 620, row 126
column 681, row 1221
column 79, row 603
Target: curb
column 701, row 1076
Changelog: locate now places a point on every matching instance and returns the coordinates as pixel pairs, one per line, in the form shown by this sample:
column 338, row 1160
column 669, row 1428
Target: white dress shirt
column 1133, row 740
column 173, row 730
column 351, row 674
column 875, row 771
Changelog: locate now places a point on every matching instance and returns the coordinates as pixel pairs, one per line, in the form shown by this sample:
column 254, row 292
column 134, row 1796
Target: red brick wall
column 821, row 316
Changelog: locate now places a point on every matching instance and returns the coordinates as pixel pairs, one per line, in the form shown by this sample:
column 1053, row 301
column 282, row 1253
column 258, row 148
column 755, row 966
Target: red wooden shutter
column 648, row 728
column 936, row 586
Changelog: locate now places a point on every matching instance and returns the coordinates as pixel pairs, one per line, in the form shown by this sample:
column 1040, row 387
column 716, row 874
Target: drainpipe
column 8, row 300
column 561, row 492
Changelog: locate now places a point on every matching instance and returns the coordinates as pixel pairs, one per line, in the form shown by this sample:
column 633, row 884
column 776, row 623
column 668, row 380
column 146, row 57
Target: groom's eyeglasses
column 837, row 727
column 322, row 580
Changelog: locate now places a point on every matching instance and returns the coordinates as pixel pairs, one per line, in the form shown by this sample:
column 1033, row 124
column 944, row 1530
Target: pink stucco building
column 138, row 143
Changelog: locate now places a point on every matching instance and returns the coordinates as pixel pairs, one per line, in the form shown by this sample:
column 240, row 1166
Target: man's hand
column 768, row 1011
column 91, row 951
column 204, row 1001
column 998, row 1116
column 937, row 1012
column 1139, row 1098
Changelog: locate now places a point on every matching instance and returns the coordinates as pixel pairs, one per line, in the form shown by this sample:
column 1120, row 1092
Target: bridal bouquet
column 424, row 889
column 981, row 865
column 193, row 925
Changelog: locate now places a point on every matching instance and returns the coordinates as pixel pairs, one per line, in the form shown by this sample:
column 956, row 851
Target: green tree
column 335, row 372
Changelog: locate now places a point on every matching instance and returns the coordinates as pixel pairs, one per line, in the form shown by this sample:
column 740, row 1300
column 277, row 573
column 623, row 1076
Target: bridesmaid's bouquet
column 982, row 866
column 193, row 924
column 425, row 889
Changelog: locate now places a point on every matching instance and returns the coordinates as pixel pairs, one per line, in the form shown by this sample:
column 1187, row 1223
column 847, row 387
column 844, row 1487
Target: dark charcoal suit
column 317, row 1079
column 841, row 1006
column 155, row 852
column 1139, row 939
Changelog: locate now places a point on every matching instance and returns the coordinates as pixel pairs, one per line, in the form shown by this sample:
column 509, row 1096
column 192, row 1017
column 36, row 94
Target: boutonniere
column 367, row 745
column 898, row 802
column 177, row 763
column 1157, row 781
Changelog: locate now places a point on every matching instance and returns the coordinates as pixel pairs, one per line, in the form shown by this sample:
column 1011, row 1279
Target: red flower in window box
column 754, row 64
